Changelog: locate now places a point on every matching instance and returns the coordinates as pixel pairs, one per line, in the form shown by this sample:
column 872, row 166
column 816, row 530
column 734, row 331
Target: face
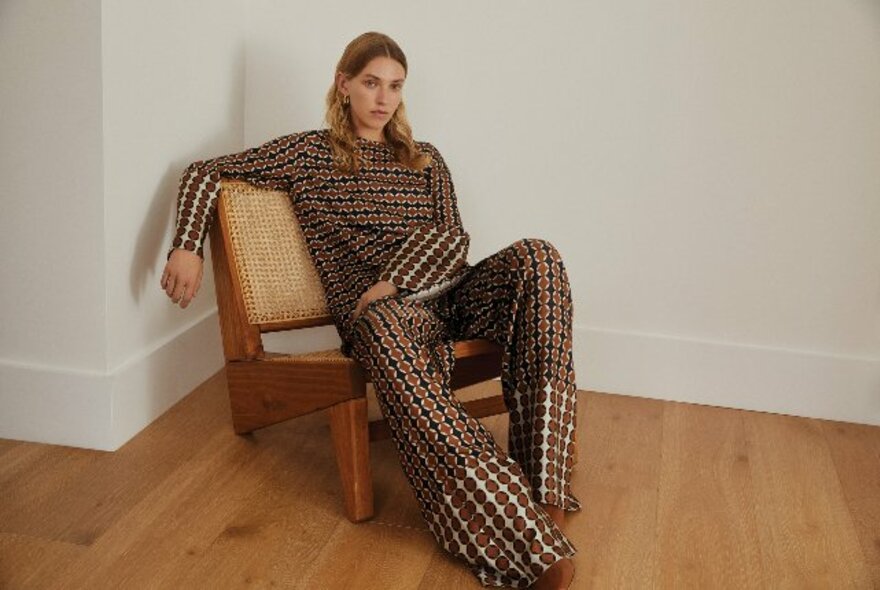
column 375, row 94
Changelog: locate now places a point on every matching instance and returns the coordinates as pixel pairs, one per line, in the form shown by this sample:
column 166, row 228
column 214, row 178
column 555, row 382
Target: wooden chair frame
column 266, row 388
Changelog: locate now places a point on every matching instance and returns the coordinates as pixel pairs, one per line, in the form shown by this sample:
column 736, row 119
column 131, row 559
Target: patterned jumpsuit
column 388, row 222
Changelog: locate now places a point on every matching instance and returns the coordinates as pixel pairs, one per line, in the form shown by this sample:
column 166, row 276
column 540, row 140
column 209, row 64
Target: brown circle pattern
column 480, row 502
column 390, row 223
column 386, row 222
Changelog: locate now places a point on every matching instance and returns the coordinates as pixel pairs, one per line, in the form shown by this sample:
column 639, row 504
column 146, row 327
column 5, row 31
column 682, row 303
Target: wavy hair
column 398, row 133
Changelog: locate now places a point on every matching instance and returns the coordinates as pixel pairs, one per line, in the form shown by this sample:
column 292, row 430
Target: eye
column 370, row 82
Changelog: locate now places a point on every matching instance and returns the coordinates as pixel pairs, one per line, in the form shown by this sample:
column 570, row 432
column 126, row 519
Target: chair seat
column 333, row 355
column 463, row 349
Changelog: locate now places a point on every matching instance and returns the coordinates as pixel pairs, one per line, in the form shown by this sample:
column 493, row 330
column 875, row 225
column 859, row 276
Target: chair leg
column 351, row 440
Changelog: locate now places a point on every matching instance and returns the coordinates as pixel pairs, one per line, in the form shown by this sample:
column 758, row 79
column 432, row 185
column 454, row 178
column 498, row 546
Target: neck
column 371, row 134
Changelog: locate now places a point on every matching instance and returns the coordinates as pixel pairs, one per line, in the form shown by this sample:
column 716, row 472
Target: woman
column 380, row 216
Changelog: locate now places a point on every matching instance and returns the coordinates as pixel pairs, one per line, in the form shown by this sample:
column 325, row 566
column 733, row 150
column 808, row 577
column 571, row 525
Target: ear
column 341, row 83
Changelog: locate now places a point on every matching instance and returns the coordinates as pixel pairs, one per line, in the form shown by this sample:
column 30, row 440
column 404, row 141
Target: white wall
column 51, row 228
column 53, row 289
column 103, row 107
column 173, row 92
column 707, row 169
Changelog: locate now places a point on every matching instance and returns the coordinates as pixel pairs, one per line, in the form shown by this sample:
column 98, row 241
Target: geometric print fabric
column 384, row 222
column 387, row 222
column 479, row 501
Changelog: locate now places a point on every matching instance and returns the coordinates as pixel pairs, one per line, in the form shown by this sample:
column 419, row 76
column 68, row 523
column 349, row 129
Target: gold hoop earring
column 345, row 100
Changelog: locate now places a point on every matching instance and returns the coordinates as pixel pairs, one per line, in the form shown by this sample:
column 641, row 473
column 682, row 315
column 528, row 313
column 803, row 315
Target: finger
column 187, row 297
column 364, row 304
column 199, row 281
column 170, row 284
column 178, row 292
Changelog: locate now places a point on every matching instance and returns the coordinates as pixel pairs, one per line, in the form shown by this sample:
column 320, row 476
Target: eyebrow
column 378, row 78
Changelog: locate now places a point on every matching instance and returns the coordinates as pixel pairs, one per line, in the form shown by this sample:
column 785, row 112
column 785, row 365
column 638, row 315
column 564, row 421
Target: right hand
column 182, row 276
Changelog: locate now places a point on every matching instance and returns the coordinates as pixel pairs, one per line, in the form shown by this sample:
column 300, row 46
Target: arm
column 431, row 254
column 271, row 165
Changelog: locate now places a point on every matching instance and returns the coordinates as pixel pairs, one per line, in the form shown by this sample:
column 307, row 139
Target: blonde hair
column 398, row 133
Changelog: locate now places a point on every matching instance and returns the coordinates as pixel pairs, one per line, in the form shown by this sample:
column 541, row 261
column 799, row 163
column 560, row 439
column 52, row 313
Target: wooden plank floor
column 675, row 496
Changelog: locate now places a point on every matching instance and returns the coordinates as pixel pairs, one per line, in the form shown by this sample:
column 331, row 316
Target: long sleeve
column 271, row 165
column 432, row 254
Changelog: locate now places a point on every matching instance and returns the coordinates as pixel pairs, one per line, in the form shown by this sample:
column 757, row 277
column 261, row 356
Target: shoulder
column 426, row 147
column 302, row 143
column 309, row 137
column 316, row 141
column 430, row 150
column 315, row 134
column 286, row 143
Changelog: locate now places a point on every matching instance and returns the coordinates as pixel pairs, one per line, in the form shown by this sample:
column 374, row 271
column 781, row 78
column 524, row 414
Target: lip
column 379, row 113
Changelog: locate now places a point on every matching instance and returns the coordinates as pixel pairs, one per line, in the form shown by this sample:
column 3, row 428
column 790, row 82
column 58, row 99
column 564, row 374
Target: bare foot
column 557, row 577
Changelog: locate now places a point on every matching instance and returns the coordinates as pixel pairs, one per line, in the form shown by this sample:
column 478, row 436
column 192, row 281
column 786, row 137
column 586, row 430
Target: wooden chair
column 266, row 282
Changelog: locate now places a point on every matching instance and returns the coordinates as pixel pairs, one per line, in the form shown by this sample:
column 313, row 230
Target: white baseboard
column 104, row 411
column 145, row 388
column 797, row 383
column 48, row 405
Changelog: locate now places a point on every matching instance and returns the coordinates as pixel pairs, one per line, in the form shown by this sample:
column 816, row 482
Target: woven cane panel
column 278, row 278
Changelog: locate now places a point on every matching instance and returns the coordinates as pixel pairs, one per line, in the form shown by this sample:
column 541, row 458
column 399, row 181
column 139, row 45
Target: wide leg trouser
column 479, row 501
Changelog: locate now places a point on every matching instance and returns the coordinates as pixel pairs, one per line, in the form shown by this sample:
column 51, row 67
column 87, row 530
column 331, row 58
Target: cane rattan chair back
column 279, row 282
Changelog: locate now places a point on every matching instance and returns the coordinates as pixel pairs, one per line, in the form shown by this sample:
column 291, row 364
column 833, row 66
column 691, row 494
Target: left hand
column 182, row 276
column 377, row 291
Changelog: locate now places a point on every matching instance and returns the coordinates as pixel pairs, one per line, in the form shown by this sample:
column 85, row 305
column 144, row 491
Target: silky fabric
column 382, row 222
column 387, row 222
column 478, row 500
